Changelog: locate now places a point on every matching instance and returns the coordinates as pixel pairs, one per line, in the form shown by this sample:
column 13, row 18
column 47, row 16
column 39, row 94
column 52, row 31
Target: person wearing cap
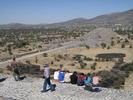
column 47, row 79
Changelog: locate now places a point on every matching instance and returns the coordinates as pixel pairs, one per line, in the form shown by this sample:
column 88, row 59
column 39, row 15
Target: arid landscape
column 69, row 57
column 101, row 44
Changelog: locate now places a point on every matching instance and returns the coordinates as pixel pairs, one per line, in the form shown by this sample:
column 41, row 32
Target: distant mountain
column 21, row 26
column 124, row 18
column 73, row 22
column 15, row 26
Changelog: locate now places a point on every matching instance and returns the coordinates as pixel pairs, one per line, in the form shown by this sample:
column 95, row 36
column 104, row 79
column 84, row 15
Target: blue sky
column 51, row 11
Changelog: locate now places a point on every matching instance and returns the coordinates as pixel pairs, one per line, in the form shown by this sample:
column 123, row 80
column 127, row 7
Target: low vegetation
column 116, row 77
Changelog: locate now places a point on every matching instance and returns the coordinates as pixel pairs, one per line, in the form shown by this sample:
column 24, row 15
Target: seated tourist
column 88, row 79
column 81, row 78
column 96, row 80
column 73, row 78
column 56, row 75
column 67, row 77
column 61, row 76
column 89, row 85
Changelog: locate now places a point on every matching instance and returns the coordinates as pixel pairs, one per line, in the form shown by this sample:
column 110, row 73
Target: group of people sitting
column 62, row 76
column 90, row 81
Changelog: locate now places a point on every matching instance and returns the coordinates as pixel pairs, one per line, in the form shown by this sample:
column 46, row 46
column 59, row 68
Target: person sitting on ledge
column 89, row 85
column 56, row 75
column 88, row 79
column 96, row 80
column 81, row 78
column 61, row 76
column 73, row 78
column 67, row 76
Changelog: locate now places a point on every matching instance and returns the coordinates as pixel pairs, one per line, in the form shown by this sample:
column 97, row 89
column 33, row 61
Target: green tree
column 112, row 43
column 103, row 45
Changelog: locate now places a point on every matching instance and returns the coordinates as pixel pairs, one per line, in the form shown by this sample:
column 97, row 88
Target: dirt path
column 5, row 63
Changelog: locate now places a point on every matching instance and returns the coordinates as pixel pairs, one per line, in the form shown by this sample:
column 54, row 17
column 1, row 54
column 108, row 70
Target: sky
column 52, row 11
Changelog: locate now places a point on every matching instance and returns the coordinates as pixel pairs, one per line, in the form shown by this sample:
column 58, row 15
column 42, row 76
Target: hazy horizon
column 48, row 11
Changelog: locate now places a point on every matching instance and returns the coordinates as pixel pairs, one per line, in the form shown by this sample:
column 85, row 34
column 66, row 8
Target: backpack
column 53, row 86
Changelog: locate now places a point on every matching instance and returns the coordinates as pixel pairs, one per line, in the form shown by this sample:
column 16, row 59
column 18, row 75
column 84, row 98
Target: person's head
column 88, row 74
column 46, row 65
column 74, row 73
column 14, row 58
column 82, row 74
column 94, row 74
column 66, row 71
column 61, row 66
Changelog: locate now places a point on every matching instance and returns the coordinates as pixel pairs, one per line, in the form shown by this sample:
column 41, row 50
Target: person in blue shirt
column 88, row 84
column 61, row 76
column 88, row 79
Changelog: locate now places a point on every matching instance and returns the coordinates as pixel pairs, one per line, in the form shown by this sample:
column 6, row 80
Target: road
column 5, row 63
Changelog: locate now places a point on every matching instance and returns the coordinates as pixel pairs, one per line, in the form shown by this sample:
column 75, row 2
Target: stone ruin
column 30, row 69
column 119, row 57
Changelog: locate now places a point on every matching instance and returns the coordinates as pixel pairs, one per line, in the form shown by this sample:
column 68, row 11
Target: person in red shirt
column 81, row 78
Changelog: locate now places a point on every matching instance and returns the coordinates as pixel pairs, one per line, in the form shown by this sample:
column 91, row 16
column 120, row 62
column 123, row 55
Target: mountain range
column 124, row 18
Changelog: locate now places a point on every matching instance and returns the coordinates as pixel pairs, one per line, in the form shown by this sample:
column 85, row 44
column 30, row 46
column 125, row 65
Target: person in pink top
column 95, row 80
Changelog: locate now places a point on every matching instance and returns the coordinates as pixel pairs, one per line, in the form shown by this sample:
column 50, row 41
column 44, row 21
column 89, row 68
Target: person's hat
column 46, row 65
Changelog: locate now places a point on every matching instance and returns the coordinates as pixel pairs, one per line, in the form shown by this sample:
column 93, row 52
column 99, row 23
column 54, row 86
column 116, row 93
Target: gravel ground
column 29, row 89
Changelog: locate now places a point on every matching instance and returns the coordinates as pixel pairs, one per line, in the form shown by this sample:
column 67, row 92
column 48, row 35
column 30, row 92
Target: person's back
column 81, row 78
column 88, row 80
column 14, row 63
column 56, row 75
column 67, row 77
column 61, row 76
column 73, row 78
column 96, row 80
column 46, row 72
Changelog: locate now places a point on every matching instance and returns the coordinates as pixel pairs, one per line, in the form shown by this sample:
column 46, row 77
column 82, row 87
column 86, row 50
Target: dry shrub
column 1, row 70
column 9, row 68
